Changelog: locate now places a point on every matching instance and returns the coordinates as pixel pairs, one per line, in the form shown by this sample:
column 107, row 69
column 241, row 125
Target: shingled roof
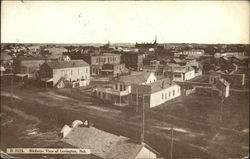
column 67, row 64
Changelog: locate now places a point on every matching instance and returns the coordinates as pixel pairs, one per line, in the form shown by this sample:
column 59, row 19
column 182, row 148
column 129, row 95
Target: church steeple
column 155, row 39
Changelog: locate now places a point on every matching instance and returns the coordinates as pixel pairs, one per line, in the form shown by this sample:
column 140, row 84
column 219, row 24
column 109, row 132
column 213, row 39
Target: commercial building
column 114, row 69
column 28, row 66
column 96, row 61
column 193, row 53
column 132, row 60
column 74, row 73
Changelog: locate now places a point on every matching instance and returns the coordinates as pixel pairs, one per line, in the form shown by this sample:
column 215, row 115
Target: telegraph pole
column 221, row 107
column 143, row 120
column 136, row 100
column 172, row 142
column 11, row 85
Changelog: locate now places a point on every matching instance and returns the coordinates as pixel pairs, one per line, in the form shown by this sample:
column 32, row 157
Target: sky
column 125, row 21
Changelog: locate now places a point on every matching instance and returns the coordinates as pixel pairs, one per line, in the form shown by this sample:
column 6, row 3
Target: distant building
column 5, row 58
column 194, row 53
column 228, row 54
column 233, row 79
column 104, row 145
column 74, row 73
column 6, row 69
column 132, row 60
column 147, row 47
column 28, row 66
column 222, row 86
column 114, row 69
column 179, row 73
column 58, row 57
column 154, row 67
column 96, row 61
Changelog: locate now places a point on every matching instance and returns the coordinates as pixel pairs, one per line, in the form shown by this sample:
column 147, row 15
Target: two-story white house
column 154, row 94
column 118, row 92
column 179, row 73
column 59, row 74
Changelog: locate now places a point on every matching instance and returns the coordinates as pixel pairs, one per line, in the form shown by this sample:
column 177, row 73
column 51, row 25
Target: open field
column 198, row 132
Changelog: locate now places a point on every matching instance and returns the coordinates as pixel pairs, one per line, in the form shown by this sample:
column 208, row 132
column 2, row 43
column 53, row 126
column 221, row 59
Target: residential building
column 114, row 69
column 154, row 94
column 179, row 73
column 233, row 79
column 222, row 86
column 118, row 92
column 104, row 145
column 132, row 60
column 59, row 74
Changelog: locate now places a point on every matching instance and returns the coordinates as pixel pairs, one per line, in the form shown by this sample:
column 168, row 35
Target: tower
column 155, row 39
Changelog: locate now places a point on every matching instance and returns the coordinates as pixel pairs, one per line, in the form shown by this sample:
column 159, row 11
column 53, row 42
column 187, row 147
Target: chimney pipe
column 89, row 123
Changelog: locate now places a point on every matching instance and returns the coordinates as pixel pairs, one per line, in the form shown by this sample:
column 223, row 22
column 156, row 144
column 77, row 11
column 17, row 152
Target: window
column 71, row 72
column 124, row 87
column 121, row 87
column 169, row 94
column 116, row 86
column 173, row 92
column 166, row 95
column 86, row 70
column 97, row 60
column 162, row 97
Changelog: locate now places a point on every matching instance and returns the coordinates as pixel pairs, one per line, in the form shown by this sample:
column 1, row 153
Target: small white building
column 59, row 74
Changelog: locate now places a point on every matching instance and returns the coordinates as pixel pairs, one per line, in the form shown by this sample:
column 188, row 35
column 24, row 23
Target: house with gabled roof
column 118, row 91
column 179, row 73
column 104, row 145
column 59, row 74
column 155, row 93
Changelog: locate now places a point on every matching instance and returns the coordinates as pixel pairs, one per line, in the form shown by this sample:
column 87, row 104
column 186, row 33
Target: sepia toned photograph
column 125, row 79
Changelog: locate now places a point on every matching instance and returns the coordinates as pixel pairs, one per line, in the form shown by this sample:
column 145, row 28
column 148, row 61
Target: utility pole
column 172, row 142
column 221, row 107
column 11, row 85
column 136, row 100
column 143, row 120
